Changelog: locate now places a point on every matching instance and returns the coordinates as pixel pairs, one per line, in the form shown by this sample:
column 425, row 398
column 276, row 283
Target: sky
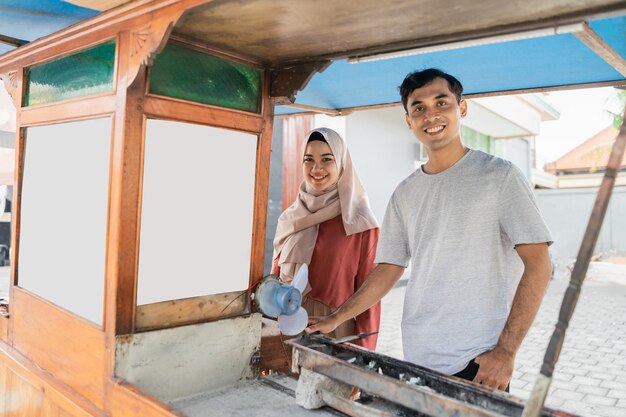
column 583, row 114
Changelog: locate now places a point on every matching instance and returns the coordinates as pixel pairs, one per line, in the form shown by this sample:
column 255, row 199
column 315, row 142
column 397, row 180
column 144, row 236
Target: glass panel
column 80, row 74
column 477, row 140
column 197, row 210
column 64, row 214
column 191, row 75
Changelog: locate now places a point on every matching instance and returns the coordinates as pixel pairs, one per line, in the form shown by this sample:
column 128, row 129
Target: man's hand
column 322, row 324
column 495, row 368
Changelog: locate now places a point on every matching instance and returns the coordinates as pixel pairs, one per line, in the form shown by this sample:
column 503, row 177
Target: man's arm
column 497, row 365
column 378, row 283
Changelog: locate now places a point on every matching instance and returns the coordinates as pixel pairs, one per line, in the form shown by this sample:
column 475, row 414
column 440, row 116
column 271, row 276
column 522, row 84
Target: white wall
column 383, row 150
column 516, row 150
column 567, row 212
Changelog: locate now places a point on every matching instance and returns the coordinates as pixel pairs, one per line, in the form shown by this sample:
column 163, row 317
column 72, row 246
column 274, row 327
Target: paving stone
column 594, row 368
column 620, row 361
column 593, row 359
column 601, row 375
column 568, row 395
column 586, row 389
column 617, row 393
column 579, row 407
column 555, row 402
column 605, row 411
column 565, row 385
column 575, row 371
column 607, row 350
column 588, row 361
column 528, row 378
column 595, row 399
column 594, row 382
column 562, row 376
column 613, row 385
column 519, row 383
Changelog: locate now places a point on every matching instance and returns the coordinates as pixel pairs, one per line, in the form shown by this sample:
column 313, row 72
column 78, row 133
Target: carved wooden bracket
column 286, row 82
column 147, row 42
column 11, row 85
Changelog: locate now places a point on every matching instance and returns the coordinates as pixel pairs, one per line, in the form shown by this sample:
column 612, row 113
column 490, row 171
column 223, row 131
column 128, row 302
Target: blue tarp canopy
column 560, row 47
column 543, row 62
column 28, row 20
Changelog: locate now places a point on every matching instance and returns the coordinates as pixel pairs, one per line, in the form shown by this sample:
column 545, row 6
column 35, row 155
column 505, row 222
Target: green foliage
column 615, row 106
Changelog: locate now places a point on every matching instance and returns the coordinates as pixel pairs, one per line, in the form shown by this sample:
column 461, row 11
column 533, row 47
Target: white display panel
column 64, row 214
column 197, row 211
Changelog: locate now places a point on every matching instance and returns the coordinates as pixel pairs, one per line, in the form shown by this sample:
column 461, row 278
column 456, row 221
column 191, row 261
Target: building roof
column 590, row 156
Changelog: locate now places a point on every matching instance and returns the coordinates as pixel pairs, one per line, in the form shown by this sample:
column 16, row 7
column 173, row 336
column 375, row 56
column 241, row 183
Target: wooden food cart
column 153, row 121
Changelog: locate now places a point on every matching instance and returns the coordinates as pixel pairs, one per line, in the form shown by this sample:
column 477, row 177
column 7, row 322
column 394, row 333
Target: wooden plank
column 66, row 399
column 21, row 400
column 411, row 396
column 168, row 108
column 191, row 310
column 342, row 30
column 4, row 374
column 261, row 185
column 314, row 109
column 20, row 146
column 317, row 351
column 125, row 209
column 193, row 43
column 601, row 48
column 275, row 354
column 126, row 400
column 79, row 108
column 4, row 328
column 48, row 335
column 9, row 40
column 353, row 408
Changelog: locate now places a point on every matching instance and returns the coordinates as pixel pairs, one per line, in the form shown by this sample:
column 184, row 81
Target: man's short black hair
column 418, row 79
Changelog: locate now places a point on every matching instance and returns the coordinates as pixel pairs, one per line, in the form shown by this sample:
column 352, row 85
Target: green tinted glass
column 191, row 75
column 80, row 74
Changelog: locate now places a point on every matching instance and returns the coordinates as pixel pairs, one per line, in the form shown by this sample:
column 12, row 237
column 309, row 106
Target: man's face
column 434, row 115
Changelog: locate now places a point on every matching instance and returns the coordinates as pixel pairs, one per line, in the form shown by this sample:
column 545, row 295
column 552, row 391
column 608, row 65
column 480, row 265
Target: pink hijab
column 297, row 228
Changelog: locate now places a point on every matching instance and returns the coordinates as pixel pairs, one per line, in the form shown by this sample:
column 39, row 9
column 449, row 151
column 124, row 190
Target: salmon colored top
column 339, row 266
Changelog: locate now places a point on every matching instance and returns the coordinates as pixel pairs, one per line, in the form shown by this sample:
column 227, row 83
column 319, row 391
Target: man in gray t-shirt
column 469, row 225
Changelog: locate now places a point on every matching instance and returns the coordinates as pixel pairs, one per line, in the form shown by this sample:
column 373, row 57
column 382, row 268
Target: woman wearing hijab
column 331, row 228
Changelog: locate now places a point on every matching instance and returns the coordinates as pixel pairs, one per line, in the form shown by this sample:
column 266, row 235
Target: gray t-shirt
column 459, row 229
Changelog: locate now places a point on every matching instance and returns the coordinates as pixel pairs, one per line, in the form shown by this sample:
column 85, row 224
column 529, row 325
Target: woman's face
column 319, row 167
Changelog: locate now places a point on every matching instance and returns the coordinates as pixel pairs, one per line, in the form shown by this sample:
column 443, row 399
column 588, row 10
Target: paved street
column 590, row 377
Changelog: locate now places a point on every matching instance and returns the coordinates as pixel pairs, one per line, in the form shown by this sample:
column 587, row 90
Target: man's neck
column 442, row 159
